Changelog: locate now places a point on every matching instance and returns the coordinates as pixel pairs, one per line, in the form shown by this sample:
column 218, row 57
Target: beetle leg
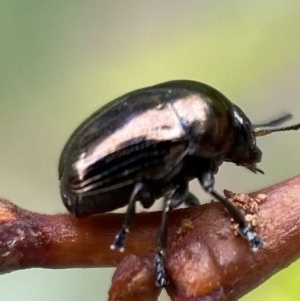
column 191, row 200
column 121, row 236
column 207, row 181
column 170, row 202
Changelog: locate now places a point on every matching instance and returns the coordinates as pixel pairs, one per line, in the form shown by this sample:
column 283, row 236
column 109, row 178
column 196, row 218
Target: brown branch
column 205, row 260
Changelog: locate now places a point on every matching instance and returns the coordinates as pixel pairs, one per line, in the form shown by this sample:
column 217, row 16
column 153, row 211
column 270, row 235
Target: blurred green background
column 61, row 60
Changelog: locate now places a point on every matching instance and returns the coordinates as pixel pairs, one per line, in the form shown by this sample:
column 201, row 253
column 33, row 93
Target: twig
column 205, row 260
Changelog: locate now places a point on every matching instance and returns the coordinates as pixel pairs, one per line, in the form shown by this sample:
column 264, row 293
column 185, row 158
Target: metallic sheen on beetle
column 149, row 144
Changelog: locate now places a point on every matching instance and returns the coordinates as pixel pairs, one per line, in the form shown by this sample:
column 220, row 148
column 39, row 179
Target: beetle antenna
column 274, row 122
column 262, row 132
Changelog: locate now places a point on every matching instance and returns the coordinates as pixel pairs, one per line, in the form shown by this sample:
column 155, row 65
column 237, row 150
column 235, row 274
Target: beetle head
column 244, row 151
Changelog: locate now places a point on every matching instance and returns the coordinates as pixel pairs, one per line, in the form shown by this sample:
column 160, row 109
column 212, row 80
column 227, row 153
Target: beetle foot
column 255, row 241
column 161, row 277
column 119, row 241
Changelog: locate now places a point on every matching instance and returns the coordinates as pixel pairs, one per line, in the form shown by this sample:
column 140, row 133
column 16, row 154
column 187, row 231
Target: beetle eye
column 253, row 139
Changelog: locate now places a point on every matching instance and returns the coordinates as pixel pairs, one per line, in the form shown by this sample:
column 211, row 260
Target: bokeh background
column 61, row 60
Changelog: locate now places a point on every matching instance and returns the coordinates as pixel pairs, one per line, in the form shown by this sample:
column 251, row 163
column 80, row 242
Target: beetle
column 149, row 144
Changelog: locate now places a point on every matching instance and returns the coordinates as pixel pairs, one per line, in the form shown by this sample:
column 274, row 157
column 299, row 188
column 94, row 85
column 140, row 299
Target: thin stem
column 204, row 260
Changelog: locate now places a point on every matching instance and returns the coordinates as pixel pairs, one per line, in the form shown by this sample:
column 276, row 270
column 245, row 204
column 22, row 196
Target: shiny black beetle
column 149, row 144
